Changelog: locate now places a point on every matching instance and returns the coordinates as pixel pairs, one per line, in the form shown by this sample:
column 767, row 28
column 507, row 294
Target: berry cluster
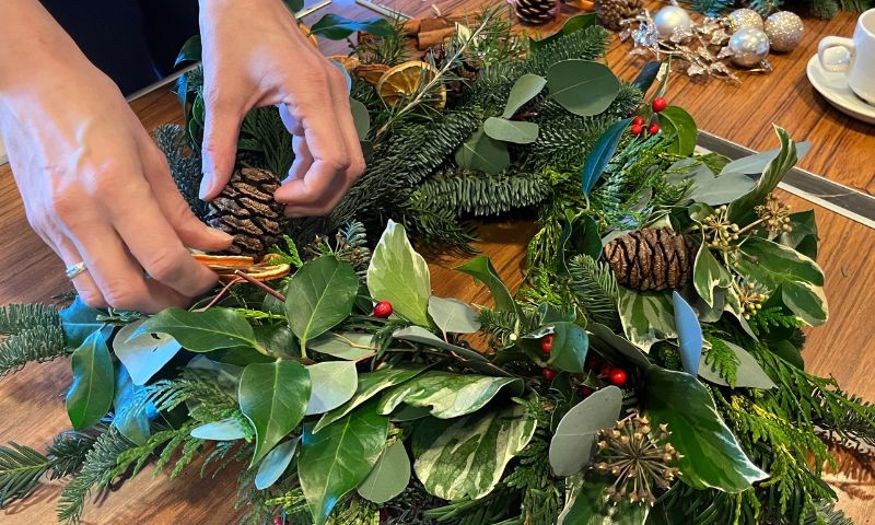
column 638, row 123
column 608, row 373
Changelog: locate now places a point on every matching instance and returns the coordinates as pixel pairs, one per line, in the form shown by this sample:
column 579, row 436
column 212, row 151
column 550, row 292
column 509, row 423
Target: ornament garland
column 661, row 316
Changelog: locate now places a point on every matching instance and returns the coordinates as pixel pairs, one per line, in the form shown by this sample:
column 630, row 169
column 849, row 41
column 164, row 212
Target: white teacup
column 861, row 50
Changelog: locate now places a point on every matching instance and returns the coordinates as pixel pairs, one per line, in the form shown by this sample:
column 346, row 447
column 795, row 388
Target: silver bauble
column 671, row 20
column 785, row 30
column 749, row 47
column 744, row 18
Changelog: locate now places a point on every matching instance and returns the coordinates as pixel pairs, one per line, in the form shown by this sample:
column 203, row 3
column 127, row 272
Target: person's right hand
column 97, row 189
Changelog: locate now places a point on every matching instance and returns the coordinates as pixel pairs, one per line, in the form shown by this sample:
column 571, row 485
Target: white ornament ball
column 785, row 30
column 749, row 47
column 672, row 19
column 744, row 18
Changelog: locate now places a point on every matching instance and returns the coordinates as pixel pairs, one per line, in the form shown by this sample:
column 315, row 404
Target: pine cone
column 246, row 209
column 651, row 260
column 612, row 12
column 535, row 12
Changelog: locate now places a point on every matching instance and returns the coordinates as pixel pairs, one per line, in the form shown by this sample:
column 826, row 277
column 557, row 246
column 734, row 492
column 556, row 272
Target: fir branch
column 15, row 318
column 70, row 448
column 21, row 468
column 482, row 194
column 31, row 345
column 184, row 164
column 389, row 49
column 596, row 288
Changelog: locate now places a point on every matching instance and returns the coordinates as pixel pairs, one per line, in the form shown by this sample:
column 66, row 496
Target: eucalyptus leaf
column 91, row 393
column 607, row 342
column 483, row 153
column 570, row 346
column 360, row 118
column 369, row 385
column 205, row 331
column 465, row 458
column 708, row 275
column 143, row 354
column 526, row 88
column 389, row 477
column 582, row 87
column 646, row 317
column 571, row 444
column 336, row 460
column 749, row 373
column 333, row 384
column 336, row 27
column 741, row 210
column 79, row 321
column 710, row 455
column 689, row 333
column 400, row 275
column 320, row 296
column 755, row 164
column 225, row 430
column 275, row 464
column 771, row 264
column 714, row 191
column 273, row 396
column 602, row 152
column 589, row 506
column 453, row 316
column 481, row 269
column 805, row 300
column 449, row 395
column 677, row 121
column 351, row 346
column 516, row 131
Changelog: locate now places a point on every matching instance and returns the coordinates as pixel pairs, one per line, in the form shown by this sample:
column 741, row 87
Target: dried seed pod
column 247, row 210
column 652, row 259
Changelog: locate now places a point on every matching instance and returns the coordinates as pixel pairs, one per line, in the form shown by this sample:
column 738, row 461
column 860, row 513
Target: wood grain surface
column 31, row 402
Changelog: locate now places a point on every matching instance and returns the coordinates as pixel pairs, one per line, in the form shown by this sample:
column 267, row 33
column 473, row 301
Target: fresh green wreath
column 648, row 371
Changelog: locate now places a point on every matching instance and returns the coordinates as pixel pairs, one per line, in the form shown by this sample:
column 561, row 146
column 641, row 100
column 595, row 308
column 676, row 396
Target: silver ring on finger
column 76, row 269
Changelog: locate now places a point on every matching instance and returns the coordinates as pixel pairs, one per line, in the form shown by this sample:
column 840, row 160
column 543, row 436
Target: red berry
column 659, row 103
column 549, row 374
column 617, row 377
column 654, row 129
column 638, row 121
column 383, row 309
column 278, row 520
column 636, row 129
column 547, row 343
column 585, row 391
column 592, row 362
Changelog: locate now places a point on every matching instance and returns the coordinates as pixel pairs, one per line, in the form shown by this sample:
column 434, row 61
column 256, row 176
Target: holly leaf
column 582, row 87
column 336, row 460
column 400, row 275
column 143, row 354
column 333, row 384
column 91, row 393
column 320, row 296
column 483, row 153
column 389, row 477
column 516, row 131
column 710, row 455
column 571, row 444
column 524, row 89
column 205, row 331
column 273, row 396
column 449, row 395
column 453, row 316
column 689, row 333
column 676, row 121
column 336, row 27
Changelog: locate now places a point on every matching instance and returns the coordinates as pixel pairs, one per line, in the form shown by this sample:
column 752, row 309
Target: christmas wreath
column 648, row 371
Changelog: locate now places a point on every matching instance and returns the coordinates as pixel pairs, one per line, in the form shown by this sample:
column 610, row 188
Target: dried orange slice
column 224, row 261
column 403, row 80
column 348, row 63
column 371, row 73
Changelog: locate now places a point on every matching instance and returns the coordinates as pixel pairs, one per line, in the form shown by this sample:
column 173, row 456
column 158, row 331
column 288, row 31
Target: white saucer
column 834, row 88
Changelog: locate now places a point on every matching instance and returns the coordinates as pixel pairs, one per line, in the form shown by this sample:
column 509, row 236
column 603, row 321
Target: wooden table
column 31, row 402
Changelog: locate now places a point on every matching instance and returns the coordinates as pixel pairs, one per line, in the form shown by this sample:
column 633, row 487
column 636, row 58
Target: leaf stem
column 255, row 282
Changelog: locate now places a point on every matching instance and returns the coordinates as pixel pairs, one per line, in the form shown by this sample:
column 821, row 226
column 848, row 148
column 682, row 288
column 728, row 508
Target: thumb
column 221, row 129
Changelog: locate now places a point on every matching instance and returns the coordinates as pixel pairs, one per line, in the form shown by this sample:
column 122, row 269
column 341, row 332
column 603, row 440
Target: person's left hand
column 255, row 55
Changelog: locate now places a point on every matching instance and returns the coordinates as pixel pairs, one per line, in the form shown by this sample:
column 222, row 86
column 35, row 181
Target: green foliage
column 29, row 333
column 184, row 164
column 723, row 359
column 767, row 319
column 596, row 288
column 20, row 469
column 482, row 194
column 264, row 134
column 389, row 48
column 541, row 494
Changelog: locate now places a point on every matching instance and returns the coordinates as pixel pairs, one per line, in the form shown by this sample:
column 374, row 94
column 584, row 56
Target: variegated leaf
column 449, row 395
column 646, row 317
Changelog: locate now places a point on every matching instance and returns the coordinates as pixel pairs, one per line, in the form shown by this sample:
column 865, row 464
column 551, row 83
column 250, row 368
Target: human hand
column 97, row 189
column 255, row 55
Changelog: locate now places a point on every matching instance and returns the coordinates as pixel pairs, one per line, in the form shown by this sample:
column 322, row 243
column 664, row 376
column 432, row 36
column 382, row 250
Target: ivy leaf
column 805, row 300
column 570, row 345
column 741, row 210
column 689, row 333
column 389, row 477
column 582, row 87
column 709, row 274
column 601, row 154
column 646, row 317
column 275, row 464
column 143, row 354
column 400, row 275
column 589, row 506
column 351, row 346
column 206, row 331
column 453, row 316
column 273, row 396
column 571, row 444
column 483, row 153
column 360, row 118
column 320, row 296
column 449, row 395
column 369, row 385
column 524, row 89
column 92, row 391
column 771, row 264
column 226, row 430
column 678, row 122
column 464, row 459
column 336, row 460
column 710, row 455
column 336, row 27
column 748, row 374
column 516, row 131
column 481, row 269
column 79, row 321
column 333, row 384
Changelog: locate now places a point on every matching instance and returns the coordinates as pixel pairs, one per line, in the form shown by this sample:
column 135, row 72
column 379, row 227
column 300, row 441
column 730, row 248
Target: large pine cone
column 246, row 209
column 612, row 12
column 651, row 260
column 535, row 12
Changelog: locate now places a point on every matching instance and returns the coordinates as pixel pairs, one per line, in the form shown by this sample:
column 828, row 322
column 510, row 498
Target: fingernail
column 206, row 186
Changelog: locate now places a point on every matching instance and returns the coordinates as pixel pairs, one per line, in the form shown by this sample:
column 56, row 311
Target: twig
column 221, row 294
column 255, row 282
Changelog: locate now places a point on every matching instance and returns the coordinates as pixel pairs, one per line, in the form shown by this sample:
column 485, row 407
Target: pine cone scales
column 612, row 12
column 535, row 12
column 651, row 260
column 247, row 210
